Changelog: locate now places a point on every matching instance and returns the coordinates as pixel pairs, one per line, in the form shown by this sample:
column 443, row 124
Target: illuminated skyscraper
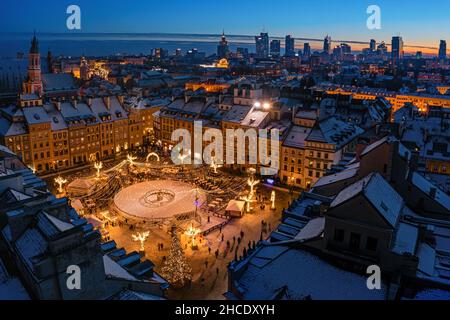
column 397, row 49
column 275, row 48
column 306, row 50
column 223, row 48
column 327, row 45
column 443, row 50
column 373, row 45
column 290, row 46
column 262, row 45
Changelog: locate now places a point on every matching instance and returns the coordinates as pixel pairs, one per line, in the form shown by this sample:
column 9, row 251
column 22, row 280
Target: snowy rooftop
column 36, row 115
column 296, row 137
column 427, row 186
column 340, row 176
column 406, row 239
column 278, row 272
column 378, row 192
column 334, row 131
column 58, row 82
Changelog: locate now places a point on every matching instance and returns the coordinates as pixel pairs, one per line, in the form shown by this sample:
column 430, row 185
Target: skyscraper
column 223, row 48
column 306, row 50
column 397, row 49
column 443, row 50
column 373, row 45
column 290, row 46
column 327, row 45
column 275, row 48
column 262, row 45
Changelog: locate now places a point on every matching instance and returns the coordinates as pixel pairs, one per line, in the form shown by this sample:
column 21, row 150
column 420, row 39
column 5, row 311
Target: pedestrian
column 206, row 264
column 217, row 253
column 217, row 271
column 223, row 237
column 209, row 250
column 242, row 234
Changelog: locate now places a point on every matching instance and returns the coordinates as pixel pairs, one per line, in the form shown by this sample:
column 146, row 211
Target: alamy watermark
column 374, row 20
column 73, row 22
column 229, row 150
column 73, row 282
column 374, row 279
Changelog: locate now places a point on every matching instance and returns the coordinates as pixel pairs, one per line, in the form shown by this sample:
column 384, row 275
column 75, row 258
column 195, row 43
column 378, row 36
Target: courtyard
column 137, row 197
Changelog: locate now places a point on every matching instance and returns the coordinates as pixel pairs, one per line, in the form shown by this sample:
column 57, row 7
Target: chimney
column 75, row 103
column 89, row 101
column 121, row 99
column 107, row 102
column 57, row 104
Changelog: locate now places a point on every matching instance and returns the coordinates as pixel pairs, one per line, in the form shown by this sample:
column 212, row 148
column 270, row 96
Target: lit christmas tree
column 176, row 269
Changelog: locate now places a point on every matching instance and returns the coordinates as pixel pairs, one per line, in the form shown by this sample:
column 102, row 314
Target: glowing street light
column 266, row 106
column 141, row 237
column 60, row 181
column 98, row 166
column 257, row 104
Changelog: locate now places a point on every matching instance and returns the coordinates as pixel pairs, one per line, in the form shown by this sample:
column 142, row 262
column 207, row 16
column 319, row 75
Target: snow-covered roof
column 334, row 131
column 36, row 115
column 340, row 176
column 374, row 145
column 378, row 192
column 30, row 245
column 235, row 205
column 114, row 270
column 58, row 82
column 300, row 274
column 296, row 137
column 59, row 224
column 406, row 239
column 427, row 186
column 313, row 229
column 57, row 120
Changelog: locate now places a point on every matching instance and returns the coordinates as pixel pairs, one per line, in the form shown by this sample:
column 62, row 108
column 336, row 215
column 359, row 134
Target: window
column 339, row 235
column 372, row 244
column 355, row 241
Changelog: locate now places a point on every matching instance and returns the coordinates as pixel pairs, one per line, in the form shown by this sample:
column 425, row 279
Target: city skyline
column 418, row 23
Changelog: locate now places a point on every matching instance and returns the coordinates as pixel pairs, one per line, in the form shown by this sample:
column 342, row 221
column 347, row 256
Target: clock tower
column 33, row 83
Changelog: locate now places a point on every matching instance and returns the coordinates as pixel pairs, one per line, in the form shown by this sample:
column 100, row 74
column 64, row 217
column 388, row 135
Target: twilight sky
column 419, row 22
